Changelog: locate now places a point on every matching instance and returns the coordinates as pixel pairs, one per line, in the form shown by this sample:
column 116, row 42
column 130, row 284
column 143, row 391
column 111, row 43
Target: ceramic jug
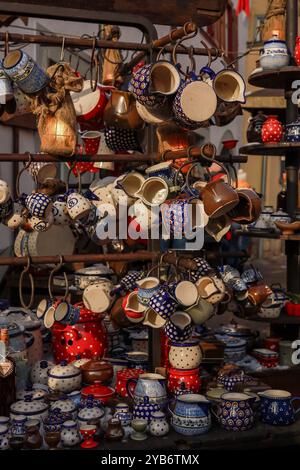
column 235, row 412
column 148, row 385
column 276, row 407
column 191, row 414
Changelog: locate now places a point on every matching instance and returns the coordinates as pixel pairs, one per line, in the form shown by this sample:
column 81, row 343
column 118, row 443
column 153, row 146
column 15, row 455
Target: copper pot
column 121, row 111
column 96, row 371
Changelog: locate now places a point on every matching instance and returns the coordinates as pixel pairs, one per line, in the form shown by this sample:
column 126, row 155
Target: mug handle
column 132, row 380
column 298, row 409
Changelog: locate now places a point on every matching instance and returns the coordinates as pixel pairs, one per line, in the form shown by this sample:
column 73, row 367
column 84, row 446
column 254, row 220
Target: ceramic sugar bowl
column 64, row 378
column 33, row 409
column 159, row 425
column 66, row 406
column 39, row 372
column 91, row 410
column 69, row 434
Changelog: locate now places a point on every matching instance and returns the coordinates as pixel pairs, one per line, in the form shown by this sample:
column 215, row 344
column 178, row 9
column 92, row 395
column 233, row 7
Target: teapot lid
column 193, row 398
column 96, row 365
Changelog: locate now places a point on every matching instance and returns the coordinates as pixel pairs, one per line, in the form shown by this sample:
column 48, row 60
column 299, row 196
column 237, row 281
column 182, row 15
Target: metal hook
column 94, row 63
column 78, row 178
column 6, row 44
column 23, row 273
column 208, row 50
column 25, row 167
column 50, row 280
column 62, row 51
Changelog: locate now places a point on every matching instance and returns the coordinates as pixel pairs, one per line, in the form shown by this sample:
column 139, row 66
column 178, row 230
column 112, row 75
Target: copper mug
column 218, row 198
column 121, row 111
column 259, row 293
column 248, row 208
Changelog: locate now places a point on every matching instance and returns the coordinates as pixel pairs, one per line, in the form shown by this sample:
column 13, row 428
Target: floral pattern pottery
column 39, row 372
column 292, row 131
column 123, row 414
column 190, row 415
column 151, row 385
column 276, row 407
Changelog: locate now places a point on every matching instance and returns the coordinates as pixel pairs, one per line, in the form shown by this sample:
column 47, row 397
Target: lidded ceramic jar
column 159, row 425
column 69, row 434
column 39, row 372
column 64, row 377
column 32, row 409
column 185, row 355
column 94, row 370
column 17, row 427
column 91, row 411
column 65, row 405
column 274, row 54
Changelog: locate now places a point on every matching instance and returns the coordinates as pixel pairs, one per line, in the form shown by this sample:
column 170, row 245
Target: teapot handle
column 132, row 380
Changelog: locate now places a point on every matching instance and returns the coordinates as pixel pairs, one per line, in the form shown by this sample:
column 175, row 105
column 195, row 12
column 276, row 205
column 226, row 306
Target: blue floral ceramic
column 123, row 414
column 163, row 303
column 179, row 327
column 235, row 412
column 144, row 409
column 276, row 407
column 37, row 204
column 292, row 131
column 24, row 72
column 128, row 282
column 67, row 314
column 17, row 427
column 75, row 397
column 191, row 415
column 152, row 386
column 147, row 288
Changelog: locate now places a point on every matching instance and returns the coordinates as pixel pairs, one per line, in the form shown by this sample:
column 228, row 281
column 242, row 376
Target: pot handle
column 215, row 411
column 132, row 380
column 292, row 400
column 29, row 339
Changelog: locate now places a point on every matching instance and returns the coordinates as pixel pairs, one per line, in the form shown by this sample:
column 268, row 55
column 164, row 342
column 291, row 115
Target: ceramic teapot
column 148, row 385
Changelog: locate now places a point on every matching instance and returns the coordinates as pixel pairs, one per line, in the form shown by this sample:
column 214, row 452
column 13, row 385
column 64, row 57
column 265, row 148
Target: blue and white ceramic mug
column 24, row 72
column 153, row 83
column 66, row 313
column 163, row 303
column 147, row 287
column 39, row 204
column 276, row 407
column 179, row 327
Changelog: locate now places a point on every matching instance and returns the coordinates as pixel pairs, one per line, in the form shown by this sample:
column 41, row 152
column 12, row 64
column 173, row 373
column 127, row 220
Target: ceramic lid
column 98, row 391
column 94, row 365
column 79, row 362
column 28, row 407
column 88, row 413
column 158, row 414
column 234, row 328
column 3, row 429
column 64, row 370
column 124, row 374
column 36, row 394
column 70, row 424
column 95, row 270
column 65, row 405
column 122, row 406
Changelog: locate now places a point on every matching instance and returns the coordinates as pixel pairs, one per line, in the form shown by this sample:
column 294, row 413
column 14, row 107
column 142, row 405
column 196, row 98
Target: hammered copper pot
column 96, row 371
column 121, row 111
column 248, row 208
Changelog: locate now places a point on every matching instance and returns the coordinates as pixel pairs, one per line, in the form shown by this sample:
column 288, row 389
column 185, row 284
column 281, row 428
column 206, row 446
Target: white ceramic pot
column 32, row 409
column 66, row 406
column 39, row 372
column 185, row 355
column 64, row 378
column 70, row 436
column 159, row 425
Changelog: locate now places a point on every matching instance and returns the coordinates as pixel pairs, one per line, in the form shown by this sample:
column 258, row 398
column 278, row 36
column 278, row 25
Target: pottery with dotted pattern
column 185, row 355
column 69, row 434
column 188, row 380
column 272, row 130
column 86, row 339
column 297, row 51
column 158, row 426
column 64, row 378
column 39, row 372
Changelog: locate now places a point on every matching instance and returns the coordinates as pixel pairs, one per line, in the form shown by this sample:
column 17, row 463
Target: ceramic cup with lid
column 64, row 377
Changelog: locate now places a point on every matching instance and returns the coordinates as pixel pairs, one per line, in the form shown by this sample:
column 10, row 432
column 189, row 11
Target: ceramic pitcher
column 191, row 414
column 150, row 385
column 235, row 412
column 276, row 407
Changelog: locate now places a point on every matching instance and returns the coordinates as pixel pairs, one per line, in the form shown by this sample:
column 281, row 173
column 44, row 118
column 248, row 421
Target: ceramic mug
column 218, row 198
column 183, row 215
column 66, row 313
column 91, row 141
column 153, row 319
column 152, row 83
column 39, row 205
column 201, row 312
column 211, row 288
column 98, row 297
column 163, row 303
column 6, row 88
column 6, row 209
column 229, row 86
column 40, row 225
column 276, row 407
column 179, row 326
column 259, row 293
column 133, row 309
column 195, row 103
column 131, row 183
column 184, row 292
column 4, row 192
column 154, row 191
column 60, row 212
column 24, row 72
column 40, row 171
column 78, row 206
column 147, row 287
column 218, row 227
column 248, row 208
column 119, row 139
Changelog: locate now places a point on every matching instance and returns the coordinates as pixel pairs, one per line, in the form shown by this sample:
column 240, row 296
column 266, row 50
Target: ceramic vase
column 272, row 130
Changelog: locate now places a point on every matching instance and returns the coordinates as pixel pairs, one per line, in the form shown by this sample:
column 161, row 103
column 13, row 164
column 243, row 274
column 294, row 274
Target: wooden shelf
column 282, row 319
column 267, row 235
column 275, row 150
column 279, row 78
